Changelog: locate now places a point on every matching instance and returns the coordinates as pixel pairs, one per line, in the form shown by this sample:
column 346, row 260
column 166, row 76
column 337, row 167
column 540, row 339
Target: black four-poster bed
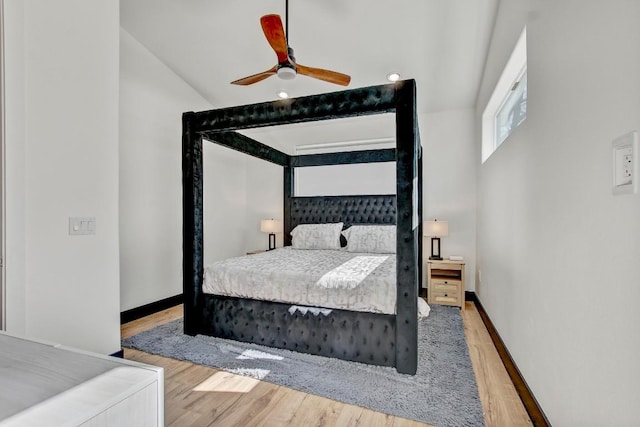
column 381, row 339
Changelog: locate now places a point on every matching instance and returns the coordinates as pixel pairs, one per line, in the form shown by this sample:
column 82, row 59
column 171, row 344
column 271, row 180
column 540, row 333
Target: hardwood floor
column 267, row 404
column 500, row 401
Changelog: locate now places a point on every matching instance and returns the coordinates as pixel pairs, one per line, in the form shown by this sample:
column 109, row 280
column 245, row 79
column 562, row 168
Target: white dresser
column 48, row 384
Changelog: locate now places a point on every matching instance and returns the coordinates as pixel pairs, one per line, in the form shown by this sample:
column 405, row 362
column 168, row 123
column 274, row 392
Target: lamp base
column 272, row 241
column 435, row 249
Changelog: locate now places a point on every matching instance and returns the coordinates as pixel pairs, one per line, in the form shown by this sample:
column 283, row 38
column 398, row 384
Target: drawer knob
column 446, row 295
column 445, row 282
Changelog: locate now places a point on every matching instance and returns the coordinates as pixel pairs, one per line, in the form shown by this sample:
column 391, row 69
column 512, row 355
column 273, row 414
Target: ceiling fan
column 287, row 67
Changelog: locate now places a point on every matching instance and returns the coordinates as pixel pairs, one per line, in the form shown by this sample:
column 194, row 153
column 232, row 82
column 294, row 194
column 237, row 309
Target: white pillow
column 316, row 236
column 376, row 239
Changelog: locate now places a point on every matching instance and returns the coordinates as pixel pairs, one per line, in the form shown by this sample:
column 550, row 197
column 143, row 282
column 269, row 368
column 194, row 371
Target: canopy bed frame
column 381, row 339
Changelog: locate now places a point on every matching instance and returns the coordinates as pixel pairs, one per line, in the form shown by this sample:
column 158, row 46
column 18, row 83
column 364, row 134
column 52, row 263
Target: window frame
column 513, row 72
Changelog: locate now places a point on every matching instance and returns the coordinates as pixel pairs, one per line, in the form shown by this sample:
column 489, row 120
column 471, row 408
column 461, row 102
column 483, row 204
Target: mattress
column 334, row 279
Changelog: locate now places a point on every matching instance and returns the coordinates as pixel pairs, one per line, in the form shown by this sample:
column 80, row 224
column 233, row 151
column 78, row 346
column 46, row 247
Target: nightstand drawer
column 446, row 285
column 441, row 297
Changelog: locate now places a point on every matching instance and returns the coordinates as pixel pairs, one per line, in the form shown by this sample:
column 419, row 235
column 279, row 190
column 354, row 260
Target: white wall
column 15, row 137
column 558, row 252
column 449, row 187
column 265, row 199
column 339, row 180
column 62, row 157
column 225, row 200
column 152, row 100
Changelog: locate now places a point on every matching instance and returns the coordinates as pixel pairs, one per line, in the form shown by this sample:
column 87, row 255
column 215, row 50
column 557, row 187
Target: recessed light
column 282, row 94
column 393, row 77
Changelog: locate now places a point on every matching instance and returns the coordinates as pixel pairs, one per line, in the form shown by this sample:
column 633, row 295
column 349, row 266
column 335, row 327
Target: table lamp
column 435, row 229
column 271, row 226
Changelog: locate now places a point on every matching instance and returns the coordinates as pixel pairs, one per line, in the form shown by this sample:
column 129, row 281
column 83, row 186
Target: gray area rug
column 443, row 392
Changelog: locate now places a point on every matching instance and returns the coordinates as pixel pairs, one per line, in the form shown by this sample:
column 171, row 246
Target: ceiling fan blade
column 326, row 75
column 255, row 78
column 274, row 32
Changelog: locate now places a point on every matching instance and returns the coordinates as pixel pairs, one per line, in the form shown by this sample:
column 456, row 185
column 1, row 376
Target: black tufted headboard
column 363, row 209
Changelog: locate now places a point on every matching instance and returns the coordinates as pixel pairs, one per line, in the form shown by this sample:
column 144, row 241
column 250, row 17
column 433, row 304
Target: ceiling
column 442, row 44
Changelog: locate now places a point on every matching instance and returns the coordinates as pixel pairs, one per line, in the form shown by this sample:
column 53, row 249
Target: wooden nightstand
column 445, row 282
column 259, row 251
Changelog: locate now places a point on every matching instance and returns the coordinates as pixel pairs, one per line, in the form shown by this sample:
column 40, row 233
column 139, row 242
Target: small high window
column 513, row 110
column 507, row 107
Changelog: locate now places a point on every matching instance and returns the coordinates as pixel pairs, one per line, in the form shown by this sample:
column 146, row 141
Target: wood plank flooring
column 272, row 405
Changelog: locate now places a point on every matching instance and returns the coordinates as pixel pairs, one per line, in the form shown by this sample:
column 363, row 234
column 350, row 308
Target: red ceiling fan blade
column 274, row 32
column 255, row 78
column 326, row 75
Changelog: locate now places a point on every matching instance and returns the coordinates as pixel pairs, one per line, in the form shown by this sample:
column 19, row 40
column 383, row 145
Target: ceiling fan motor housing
column 286, row 70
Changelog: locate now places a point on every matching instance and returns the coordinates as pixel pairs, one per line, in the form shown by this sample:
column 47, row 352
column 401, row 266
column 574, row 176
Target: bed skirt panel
column 349, row 335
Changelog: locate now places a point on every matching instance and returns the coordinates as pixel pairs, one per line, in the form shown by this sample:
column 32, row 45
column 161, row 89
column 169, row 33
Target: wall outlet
column 625, row 152
column 627, row 166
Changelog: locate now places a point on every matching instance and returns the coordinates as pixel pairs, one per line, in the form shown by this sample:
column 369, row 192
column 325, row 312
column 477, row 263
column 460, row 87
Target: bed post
column 408, row 220
column 192, row 225
column 420, row 207
column 288, row 194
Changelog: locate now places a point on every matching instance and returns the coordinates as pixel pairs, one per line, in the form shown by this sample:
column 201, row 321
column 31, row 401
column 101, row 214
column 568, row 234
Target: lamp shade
column 270, row 226
column 436, row 228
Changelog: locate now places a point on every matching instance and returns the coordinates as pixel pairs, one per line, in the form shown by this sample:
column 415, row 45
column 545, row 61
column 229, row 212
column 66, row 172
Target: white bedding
column 317, row 278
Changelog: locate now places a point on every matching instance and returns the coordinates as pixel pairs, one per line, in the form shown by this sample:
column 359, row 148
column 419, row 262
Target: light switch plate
column 625, row 163
column 82, row 225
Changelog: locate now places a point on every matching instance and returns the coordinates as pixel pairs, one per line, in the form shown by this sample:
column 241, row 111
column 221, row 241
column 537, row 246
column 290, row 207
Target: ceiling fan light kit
column 287, row 68
column 286, row 72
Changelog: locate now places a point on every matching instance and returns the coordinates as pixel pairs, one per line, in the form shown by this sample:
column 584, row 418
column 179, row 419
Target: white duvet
column 317, row 278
